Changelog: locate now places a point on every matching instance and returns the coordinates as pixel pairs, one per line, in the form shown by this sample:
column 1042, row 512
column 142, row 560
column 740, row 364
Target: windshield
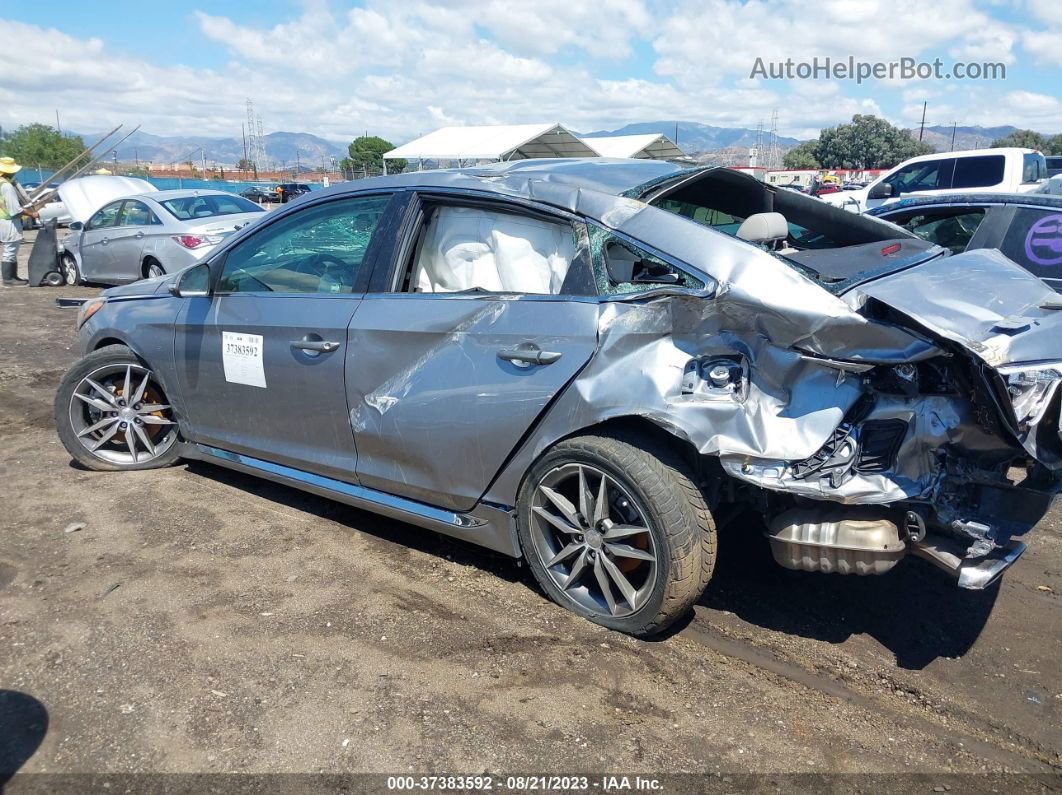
column 189, row 208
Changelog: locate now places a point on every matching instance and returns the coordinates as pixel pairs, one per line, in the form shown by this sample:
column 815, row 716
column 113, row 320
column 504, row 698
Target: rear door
column 1032, row 237
column 95, row 239
column 261, row 361
column 486, row 314
column 127, row 239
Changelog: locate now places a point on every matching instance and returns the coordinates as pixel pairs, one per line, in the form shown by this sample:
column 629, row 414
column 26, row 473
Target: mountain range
column 281, row 149
column 693, row 137
column 939, row 136
column 284, row 149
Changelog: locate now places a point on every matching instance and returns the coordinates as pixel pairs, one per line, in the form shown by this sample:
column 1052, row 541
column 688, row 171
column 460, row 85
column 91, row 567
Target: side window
column 104, row 217
column 476, row 249
column 1034, row 240
column 978, row 172
column 1034, row 168
column 951, row 228
column 928, row 175
column 626, row 268
column 136, row 214
column 318, row 249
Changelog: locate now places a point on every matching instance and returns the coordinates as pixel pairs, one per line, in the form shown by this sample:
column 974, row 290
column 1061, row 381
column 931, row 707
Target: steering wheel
column 319, row 264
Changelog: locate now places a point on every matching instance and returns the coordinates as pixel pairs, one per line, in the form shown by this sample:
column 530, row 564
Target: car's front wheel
column 112, row 413
column 71, row 272
column 616, row 530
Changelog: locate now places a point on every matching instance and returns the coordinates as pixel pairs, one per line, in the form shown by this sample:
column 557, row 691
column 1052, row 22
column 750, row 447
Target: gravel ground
column 201, row 621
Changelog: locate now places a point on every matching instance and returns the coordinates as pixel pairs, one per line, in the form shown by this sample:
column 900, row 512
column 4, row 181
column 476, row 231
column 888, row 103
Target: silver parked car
column 582, row 362
column 152, row 234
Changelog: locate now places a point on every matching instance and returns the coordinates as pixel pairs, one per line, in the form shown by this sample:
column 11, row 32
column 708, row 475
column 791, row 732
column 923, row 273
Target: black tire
column 54, row 279
column 674, row 510
column 110, row 356
column 71, row 272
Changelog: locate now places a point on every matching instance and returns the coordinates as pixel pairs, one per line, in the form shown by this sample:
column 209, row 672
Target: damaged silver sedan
column 581, row 362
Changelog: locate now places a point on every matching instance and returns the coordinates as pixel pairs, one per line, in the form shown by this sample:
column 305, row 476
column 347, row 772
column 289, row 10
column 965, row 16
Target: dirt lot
column 203, row 621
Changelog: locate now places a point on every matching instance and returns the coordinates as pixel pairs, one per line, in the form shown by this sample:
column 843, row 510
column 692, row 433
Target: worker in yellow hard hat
column 11, row 212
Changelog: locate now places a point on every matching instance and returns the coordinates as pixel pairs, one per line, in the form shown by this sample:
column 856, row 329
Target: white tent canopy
column 494, row 142
column 653, row 146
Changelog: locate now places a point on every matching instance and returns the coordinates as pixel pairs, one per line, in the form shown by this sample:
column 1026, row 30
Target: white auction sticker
column 242, row 356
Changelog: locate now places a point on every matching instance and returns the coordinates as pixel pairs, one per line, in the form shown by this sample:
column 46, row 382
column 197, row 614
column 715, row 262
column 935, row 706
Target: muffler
column 843, row 539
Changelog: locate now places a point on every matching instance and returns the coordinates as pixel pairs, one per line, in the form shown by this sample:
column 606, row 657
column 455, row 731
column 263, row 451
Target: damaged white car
column 580, row 362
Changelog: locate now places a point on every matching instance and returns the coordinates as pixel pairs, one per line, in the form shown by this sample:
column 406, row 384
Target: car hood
column 84, row 195
column 981, row 300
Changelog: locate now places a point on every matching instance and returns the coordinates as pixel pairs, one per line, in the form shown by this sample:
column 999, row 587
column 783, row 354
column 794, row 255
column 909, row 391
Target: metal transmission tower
column 773, row 158
column 255, row 139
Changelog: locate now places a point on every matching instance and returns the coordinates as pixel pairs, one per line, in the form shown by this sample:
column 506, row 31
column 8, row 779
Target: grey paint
column 436, row 418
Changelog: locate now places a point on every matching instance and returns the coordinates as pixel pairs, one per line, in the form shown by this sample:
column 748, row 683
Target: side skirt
column 486, row 525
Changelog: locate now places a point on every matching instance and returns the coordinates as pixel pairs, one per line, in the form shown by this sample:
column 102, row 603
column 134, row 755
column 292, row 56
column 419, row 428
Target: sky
column 401, row 69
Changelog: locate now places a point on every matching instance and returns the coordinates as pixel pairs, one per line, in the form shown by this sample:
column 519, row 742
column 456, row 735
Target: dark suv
column 291, row 190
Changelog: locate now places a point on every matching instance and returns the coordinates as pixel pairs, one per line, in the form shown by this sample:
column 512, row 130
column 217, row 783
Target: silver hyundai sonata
column 581, row 362
column 152, row 234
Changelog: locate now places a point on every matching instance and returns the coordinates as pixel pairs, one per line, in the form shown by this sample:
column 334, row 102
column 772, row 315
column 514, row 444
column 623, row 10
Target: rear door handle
column 527, row 353
column 139, row 235
column 318, row 346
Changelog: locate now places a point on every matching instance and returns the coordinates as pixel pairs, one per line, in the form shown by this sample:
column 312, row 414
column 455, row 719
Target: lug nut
column 122, row 425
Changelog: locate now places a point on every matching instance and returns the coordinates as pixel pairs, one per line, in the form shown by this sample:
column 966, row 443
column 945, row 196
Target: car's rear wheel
column 616, row 530
column 112, row 413
column 153, row 268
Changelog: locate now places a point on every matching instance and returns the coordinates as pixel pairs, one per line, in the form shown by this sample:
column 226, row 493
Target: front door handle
column 527, row 353
column 105, row 241
column 139, row 235
column 317, row 346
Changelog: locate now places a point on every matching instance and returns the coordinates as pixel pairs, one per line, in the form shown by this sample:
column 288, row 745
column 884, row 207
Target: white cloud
column 403, row 69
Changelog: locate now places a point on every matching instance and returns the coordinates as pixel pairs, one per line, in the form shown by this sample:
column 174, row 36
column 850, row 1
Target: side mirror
column 195, row 281
column 76, row 226
column 882, row 190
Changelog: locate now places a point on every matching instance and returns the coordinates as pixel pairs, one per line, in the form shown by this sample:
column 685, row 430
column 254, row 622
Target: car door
column 127, row 240
column 95, row 238
column 261, row 360
column 485, row 315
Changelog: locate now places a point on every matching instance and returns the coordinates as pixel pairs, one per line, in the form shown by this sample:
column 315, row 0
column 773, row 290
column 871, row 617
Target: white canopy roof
column 652, row 146
column 494, row 142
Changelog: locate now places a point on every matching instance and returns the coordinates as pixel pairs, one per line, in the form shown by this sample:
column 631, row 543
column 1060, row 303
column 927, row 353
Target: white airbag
column 466, row 247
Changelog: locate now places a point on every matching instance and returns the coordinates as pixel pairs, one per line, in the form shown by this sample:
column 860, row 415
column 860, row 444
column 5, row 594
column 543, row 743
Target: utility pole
column 954, row 124
column 58, row 126
column 243, row 134
column 922, row 128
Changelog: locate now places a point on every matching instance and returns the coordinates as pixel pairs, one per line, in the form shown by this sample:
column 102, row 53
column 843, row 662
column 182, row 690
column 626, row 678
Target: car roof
column 1033, row 199
column 552, row 180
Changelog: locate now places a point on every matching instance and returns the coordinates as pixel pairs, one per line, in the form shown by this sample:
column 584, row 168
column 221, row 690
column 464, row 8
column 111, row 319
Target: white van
column 1003, row 170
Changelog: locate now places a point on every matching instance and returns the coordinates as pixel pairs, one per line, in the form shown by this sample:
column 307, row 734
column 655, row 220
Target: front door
column 261, row 360
column 490, row 318
column 95, row 239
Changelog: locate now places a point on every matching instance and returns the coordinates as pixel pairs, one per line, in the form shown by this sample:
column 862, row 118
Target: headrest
column 764, row 228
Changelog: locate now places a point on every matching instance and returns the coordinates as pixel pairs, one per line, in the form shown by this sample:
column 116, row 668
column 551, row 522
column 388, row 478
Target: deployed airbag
column 465, row 248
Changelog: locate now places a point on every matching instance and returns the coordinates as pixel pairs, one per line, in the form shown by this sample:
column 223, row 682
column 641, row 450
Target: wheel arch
column 145, row 263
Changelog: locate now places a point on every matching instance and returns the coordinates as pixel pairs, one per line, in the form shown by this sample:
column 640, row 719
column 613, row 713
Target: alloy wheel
column 70, row 275
column 120, row 414
column 154, row 269
column 593, row 540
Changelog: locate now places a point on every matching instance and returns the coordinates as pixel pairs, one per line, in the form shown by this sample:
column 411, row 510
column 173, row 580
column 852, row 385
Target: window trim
column 217, row 261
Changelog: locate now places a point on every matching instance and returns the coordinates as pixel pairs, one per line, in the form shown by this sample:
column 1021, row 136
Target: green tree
column 1054, row 145
column 366, row 154
column 39, row 144
column 867, row 142
column 802, row 156
column 1025, row 139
